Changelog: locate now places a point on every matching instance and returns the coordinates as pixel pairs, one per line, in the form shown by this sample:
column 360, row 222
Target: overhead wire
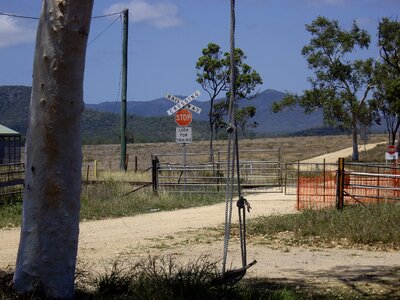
column 11, row 15
column 104, row 30
column 36, row 18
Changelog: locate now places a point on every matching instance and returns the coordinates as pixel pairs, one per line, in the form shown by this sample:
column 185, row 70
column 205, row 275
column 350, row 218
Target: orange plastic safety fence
column 316, row 192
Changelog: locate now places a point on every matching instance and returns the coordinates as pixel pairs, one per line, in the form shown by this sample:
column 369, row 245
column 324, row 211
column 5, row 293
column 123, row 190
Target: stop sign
column 183, row 117
column 391, row 149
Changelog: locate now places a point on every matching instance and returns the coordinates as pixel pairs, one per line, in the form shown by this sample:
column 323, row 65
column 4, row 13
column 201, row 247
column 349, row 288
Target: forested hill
column 98, row 127
column 148, row 120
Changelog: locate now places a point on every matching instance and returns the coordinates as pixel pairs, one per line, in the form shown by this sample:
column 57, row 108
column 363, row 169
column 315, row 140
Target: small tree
column 50, row 219
column 386, row 101
column 341, row 85
column 212, row 76
column 213, row 70
column 243, row 116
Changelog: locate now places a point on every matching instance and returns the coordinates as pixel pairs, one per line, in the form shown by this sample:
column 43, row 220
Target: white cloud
column 326, row 2
column 160, row 14
column 13, row 33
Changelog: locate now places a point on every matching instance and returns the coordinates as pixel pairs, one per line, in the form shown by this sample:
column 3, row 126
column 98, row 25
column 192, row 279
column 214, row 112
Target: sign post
column 183, row 117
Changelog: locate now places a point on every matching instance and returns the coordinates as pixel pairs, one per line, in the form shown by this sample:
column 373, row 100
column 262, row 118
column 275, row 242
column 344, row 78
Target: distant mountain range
column 287, row 122
column 149, row 121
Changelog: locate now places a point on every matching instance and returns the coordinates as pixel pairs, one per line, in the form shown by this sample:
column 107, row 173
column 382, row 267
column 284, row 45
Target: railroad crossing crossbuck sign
column 181, row 103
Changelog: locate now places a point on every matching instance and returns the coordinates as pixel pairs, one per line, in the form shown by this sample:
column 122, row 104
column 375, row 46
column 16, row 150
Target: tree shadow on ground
column 367, row 282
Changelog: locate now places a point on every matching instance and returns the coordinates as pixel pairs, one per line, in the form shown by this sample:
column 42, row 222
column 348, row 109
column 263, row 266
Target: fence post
column 126, row 162
column 136, row 166
column 95, row 169
column 298, row 185
column 154, row 173
column 379, row 184
column 340, row 185
column 87, row 173
column 285, row 178
column 324, row 180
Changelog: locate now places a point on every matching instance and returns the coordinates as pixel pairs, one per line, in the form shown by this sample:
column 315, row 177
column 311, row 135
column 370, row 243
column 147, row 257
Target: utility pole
column 123, row 164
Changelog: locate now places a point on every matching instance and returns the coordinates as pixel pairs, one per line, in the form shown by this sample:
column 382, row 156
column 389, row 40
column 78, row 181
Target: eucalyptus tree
column 212, row 75
column 387, row 77
column 50, row 220
column 386, row 101
column 341, row 84
column 213, row 69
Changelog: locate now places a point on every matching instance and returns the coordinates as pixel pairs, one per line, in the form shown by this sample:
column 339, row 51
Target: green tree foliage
column 213, row 69
column 386, row 101
column 341, row 84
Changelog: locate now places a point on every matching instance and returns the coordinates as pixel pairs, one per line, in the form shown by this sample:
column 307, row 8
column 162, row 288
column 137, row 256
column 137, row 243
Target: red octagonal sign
column 183, row 117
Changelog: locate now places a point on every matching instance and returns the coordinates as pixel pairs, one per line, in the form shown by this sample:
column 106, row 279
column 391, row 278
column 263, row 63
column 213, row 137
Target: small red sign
column 183, row 117
column 391, row 149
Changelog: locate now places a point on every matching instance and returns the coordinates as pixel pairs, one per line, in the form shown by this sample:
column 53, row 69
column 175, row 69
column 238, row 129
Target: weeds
column 107, row 200
column 164, row 278
column 10, row 214
column 371, row 225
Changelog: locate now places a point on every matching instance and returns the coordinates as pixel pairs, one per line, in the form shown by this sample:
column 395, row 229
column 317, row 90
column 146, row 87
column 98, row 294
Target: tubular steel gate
column 260, row 171
column 329, row 185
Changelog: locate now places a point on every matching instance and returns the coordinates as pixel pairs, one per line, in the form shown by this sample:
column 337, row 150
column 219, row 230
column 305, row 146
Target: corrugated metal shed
column 5, row 131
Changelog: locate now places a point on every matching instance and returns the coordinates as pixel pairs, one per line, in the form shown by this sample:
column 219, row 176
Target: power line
column 18, row 16
column 103, row 16
column 104, row 30
column 36, row 18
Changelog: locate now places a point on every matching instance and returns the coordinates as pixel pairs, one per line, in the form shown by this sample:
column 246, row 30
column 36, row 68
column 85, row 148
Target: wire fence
column 11, row 180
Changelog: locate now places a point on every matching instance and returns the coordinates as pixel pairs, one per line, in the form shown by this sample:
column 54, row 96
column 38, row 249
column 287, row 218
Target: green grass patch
column 370, row 225
column 107, row 200
column 10, row 214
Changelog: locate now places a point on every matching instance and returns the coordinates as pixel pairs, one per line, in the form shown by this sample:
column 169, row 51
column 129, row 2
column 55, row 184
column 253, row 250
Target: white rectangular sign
column 394, row 156
column 183, row 103
column 183, row 135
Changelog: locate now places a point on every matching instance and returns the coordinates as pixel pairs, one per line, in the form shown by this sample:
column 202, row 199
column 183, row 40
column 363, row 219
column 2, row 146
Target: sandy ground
column 182, row 233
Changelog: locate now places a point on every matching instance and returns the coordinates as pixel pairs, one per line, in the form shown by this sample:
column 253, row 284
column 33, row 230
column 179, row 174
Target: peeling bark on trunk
column 50, row 221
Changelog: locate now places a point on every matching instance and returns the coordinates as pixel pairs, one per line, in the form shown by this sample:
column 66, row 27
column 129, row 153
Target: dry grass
column 292, row 149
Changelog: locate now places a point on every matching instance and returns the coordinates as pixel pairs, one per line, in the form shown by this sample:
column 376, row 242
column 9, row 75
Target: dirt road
column 180, row 233
column 333, row 156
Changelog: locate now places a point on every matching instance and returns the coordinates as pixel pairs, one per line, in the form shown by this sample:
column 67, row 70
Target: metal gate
column 346, row 184
column 260, row 171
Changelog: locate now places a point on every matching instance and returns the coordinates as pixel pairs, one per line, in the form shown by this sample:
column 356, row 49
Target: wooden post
column 136, row 164
column 154, row 174
column 340, row 185
column 126, row 162
column 298, row 185
column 95, row 169
column 324, row 170
column 123, row 163
column 87, row 173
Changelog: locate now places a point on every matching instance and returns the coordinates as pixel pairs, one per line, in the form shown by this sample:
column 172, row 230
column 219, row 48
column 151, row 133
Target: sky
column 166, row 39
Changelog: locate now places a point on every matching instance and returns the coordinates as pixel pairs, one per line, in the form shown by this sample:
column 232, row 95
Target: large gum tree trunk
column 50, row 220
